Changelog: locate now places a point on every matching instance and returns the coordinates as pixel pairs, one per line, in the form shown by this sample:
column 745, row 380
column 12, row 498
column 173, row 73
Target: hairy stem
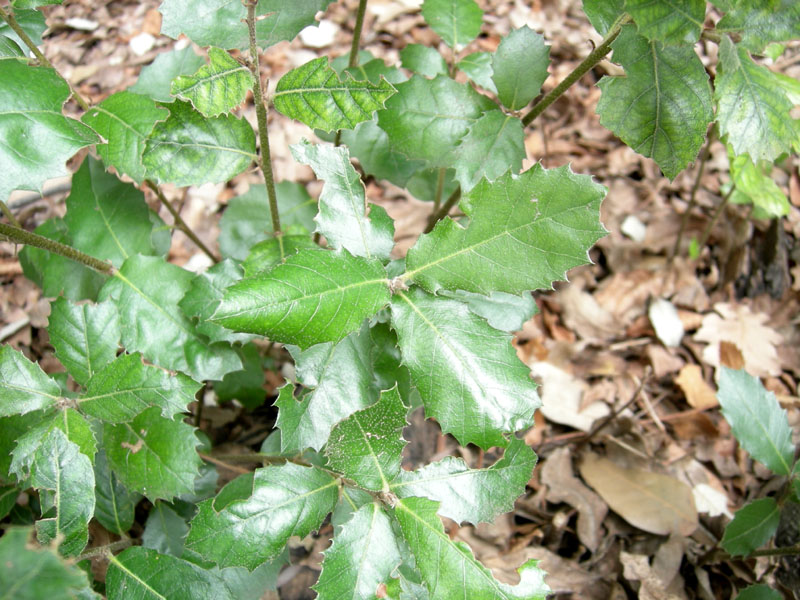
column 22, row 236
column 444, row 209
column 9, row 215
column 264, row 158
column 179, row 222
column 354, row 47
column 588, row 63
column 107, row 549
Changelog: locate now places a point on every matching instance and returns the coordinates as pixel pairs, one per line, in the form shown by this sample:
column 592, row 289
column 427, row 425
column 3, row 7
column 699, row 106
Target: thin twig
column 107, row 549
column 352, row 60
column 588, row 63
column 715, row 217
column 22, row 236
column 9, row 215
column 223, row 464
column 444, row 210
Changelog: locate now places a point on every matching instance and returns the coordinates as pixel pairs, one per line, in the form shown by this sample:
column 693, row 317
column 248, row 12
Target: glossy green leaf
column 146, row 291
column 662, row 107
column 153, row 455
column 85, row 336
column 10, row 48
column 155, row 80
column 114, row 503
column 519, row 67
column 478, row 67
column 12, row 429
column 752, row 107
column 301, row 301
column 31, row 572
column 65, row 480
column 217, row 87
column 127, row 386
column 467, row 373
column 144, row 573
column 427, row 118
column 340, row 380
column 189, row 149
column 286, row 500
column 448, row 568
column 457, row 22
column 363, row 555
column 25, row 386
column 37, row 138
column 247, row 220
column 343, row 208
column 668, row 21
column 755, row 186
column 124, row 120
column 367, row 446
column 471, row 495
column 757, row 420
column 502, row 311
column 423, row 60
column 30, row 21
column 759, row 591
column 758, row 23
column 753, row 526
column 494, row 144
column 164, row 530
column 524, row 232
column 269, row 253
column 314, row 94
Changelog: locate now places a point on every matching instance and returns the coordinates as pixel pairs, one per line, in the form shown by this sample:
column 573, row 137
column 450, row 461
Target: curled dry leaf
column 562, row 396
column 650, row 501
column 698, row 393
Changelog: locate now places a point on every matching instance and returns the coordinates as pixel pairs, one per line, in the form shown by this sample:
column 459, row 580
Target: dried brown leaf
column 698, row 393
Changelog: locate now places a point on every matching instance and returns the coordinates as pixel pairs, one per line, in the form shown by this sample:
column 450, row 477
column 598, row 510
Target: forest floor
column 603, row 347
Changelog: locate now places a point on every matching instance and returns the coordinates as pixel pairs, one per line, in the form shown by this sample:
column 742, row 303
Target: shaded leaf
column 286, row 500
column 662, row 107
column 668, row 21
column 753, row 526
column 217, row 87
column 523, row 233
column 281, row 20
column 155, row 80
column 758, row 23
column 519, row 67
column 300, row 301
column 164, row 530
column 10, row 48
column 757, row 420
column 602, row 14
column 759, row 591
column 457, row 22
column 502, row 311
column 189, row 149
column 247, row 385
column 478, row 67
column 25, row 386
column 30, row 21
column 424, row 184
column 124, row 120
column 313, row 94
column 467, row 373
column 114, row 503
column 423, row 60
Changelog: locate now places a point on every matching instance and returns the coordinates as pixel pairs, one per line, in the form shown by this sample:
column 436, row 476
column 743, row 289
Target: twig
column 352, row 61
column 443, row 210
column 9, row 215
column 107, row 549
column 223, row 464
column 21, row 236
column 715, row 217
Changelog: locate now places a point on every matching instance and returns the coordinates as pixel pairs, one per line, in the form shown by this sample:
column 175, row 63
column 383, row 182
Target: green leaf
column 146, row 291
column 281, row 20
column 387, row 367
column 66, row 474
column 427, row 118
column 662, row 107
column 33, row 3
column 247, row 219
column 146, row 574
column 457, row 22
column 370, row 70
column 423, row 60
column 760, row 591
column 85, row 336
column 107, row 218
column 342, row 216
column 519, row 67
column 300, row 301
column 754, row 185
column 124, row 120
column 467, row 373
column 11, row 429
column 31, row 21
column 32, row 572
column 523, row 233
column 314, row 94
column 165, row 530
column 217, row 87
column 340, row 379
column 247, row 385
column 155, row 80
column 8, row 498
column 602, row 14
column 753, row 526
column 286, row 500
column 10, row 48
column 25, row 386
column 367, row 446
column 449, row 569
column 37, row 138
column 363, row 555
column 114, row 503
column 494, row 144
column 668, row 21
column 265, row 255
column 190, row 149
column 127, row 386
column 478, row 67
column 752, row 107
column 153, row 455
column 203, row 296
column 471, row 495
column 756, row 419
column 758, row 23
column 505, row 312
column 424, row 184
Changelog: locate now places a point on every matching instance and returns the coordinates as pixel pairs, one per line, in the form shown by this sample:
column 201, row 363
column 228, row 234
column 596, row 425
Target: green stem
column 354, row 47
column 445, row 208
column 9, row 215
column 179, row 222
column 437, row 199
column 588, row 63
column 12, row 22
column 264, row 160
column 21, row 236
